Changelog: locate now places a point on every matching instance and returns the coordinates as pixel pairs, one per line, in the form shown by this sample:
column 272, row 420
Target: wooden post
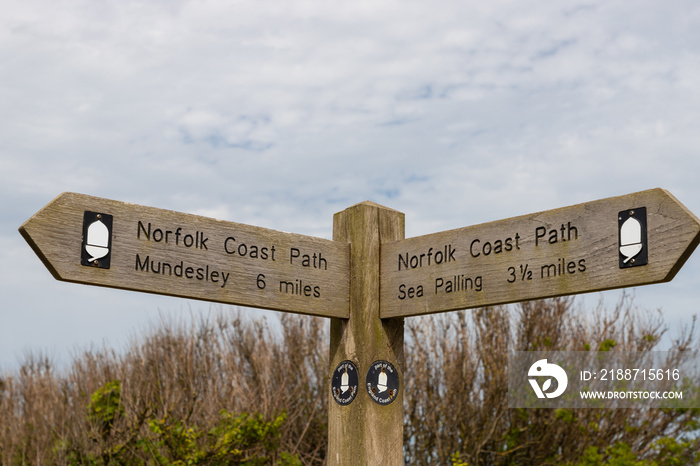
column 365, row 432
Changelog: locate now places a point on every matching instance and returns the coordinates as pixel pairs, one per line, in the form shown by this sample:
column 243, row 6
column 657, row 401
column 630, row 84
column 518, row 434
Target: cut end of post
column 372, row 204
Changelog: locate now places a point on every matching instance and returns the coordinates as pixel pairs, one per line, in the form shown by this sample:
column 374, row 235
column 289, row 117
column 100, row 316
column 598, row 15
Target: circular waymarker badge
column 344, row 383
column 382, row 382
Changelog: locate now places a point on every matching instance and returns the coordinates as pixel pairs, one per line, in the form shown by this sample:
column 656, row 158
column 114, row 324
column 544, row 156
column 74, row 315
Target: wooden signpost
column 367, row 279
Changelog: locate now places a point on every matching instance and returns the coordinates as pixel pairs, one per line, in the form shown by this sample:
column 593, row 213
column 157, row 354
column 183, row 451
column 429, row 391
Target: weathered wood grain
column 368, row 278
column 553, row 253
column 365, row 432
column 220, row 261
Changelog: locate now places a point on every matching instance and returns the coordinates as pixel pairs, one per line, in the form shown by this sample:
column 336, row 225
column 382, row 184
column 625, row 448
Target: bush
column 227, row 390
column 456, row 385
column 224, row 391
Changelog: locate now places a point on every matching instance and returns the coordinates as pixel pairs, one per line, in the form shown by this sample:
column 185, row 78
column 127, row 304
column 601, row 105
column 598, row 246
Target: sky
column 279, row 114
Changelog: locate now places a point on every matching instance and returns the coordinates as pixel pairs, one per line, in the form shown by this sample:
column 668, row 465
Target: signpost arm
column 365, row 432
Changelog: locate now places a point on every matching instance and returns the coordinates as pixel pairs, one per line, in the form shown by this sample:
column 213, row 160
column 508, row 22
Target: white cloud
column 282, row 113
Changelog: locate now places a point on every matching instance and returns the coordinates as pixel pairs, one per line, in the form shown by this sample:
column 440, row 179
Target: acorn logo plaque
column 382, row 382
column 97, row 240
column 632, row 226
column 344, row 383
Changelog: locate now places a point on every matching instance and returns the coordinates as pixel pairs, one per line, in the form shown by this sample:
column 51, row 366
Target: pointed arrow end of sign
column 690, row 234
column 35, row 232
column 26, row 231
